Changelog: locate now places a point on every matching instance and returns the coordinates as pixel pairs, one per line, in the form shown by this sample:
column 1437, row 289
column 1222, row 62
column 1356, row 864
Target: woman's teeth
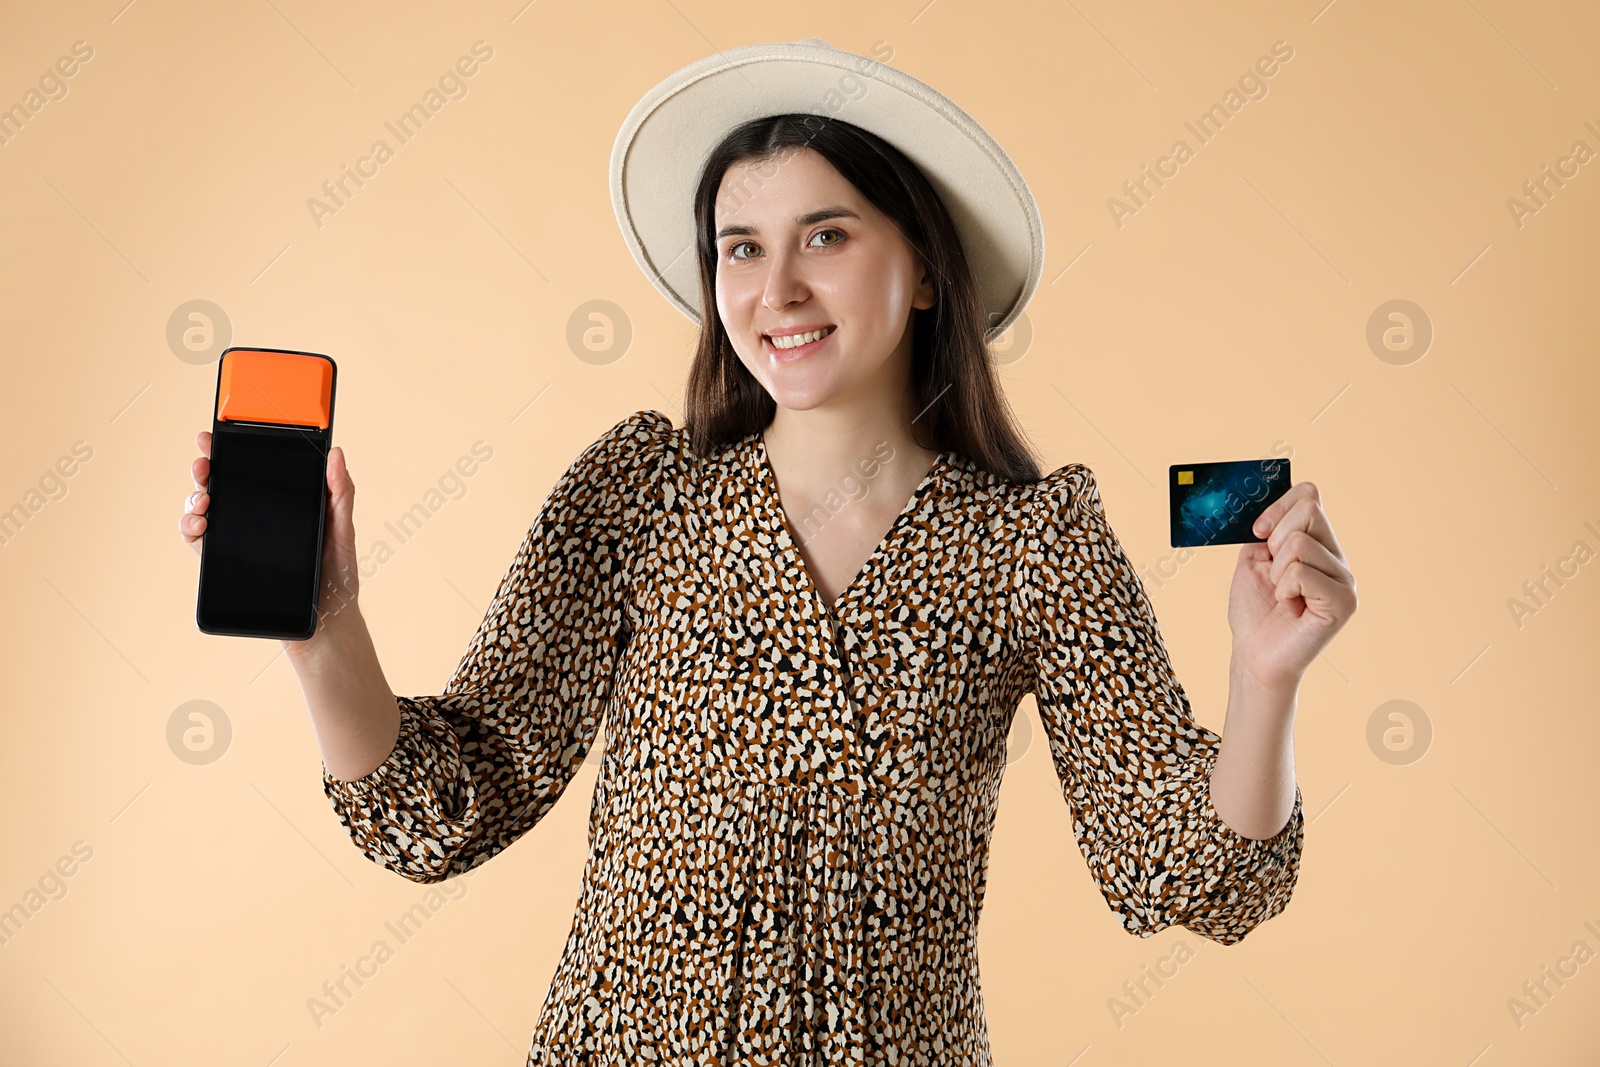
column 794, row 340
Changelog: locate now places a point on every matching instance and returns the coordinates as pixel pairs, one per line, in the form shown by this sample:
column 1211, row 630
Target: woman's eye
column 733, row 249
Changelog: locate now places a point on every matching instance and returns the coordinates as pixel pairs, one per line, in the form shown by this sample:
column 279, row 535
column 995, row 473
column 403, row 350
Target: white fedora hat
column 663, row 144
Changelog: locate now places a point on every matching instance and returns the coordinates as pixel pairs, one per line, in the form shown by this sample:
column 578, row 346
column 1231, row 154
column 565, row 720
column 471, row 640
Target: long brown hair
column 953, row 377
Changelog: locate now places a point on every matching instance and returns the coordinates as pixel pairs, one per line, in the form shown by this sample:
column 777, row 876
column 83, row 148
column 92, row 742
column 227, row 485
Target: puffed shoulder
column 623, row 473
column 1063, row 525
column 647, row 429
column 632, row 449
column 1053, row 500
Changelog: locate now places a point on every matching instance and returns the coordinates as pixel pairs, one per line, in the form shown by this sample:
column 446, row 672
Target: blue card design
column 1217, row 503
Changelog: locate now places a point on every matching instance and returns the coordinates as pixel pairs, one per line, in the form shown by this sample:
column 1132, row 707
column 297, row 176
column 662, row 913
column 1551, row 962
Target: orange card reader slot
column 277, row 387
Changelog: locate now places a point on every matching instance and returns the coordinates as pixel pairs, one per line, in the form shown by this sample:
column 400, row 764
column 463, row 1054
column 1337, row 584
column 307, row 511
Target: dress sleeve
column 1134, row 765
column 474, row 768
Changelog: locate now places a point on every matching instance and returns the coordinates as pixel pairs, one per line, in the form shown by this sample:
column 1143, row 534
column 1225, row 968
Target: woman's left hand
column 1291, row 593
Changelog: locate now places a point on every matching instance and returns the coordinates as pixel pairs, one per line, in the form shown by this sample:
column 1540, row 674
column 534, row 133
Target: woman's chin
column 796, row 385
column 799, row 395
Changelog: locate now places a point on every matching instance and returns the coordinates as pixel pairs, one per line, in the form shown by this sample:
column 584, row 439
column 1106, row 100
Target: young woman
column 807, row 617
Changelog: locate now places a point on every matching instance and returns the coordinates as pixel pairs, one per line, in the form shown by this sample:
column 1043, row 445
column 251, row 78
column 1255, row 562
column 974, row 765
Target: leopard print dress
column 789, row 833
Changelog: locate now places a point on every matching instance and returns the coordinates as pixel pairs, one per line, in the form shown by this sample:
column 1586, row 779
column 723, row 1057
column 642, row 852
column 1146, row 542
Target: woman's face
column 779, row 267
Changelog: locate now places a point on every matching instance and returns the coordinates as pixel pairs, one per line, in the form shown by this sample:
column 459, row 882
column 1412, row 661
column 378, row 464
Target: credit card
column 1217, row 503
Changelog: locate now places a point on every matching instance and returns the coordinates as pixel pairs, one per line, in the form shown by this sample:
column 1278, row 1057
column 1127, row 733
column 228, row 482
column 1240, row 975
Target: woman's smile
column 788, row 352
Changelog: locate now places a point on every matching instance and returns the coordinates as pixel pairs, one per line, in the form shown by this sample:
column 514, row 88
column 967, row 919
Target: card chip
column 1186, row 477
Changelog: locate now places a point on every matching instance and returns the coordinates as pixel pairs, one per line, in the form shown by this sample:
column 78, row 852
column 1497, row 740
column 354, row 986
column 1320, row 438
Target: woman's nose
column 784, row 284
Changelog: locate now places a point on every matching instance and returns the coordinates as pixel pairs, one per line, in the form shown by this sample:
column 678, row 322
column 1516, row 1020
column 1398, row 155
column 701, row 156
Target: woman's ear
column 926, row 293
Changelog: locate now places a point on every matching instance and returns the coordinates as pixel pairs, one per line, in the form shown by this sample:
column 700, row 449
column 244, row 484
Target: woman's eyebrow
column 799, row 220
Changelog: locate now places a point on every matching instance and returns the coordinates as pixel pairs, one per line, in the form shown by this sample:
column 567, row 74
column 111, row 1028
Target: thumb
column 343, row 490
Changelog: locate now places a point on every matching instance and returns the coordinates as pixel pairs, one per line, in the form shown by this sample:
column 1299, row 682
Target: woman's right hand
column 341, row 576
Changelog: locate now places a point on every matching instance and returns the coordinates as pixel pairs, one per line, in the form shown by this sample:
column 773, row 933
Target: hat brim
column 663, row 144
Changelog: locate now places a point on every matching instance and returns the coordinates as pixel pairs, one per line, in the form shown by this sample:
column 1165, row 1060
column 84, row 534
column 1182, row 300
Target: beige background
column 1227, row 314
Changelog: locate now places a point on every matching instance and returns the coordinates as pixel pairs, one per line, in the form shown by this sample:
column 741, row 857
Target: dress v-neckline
column 767, row 493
